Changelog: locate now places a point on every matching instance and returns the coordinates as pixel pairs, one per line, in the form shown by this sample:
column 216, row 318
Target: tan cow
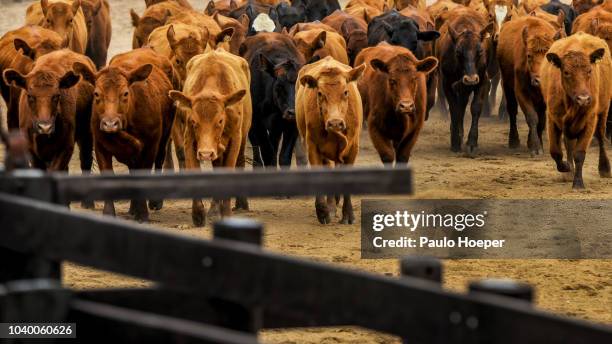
column 315, row 44
column 329, row 114
column 577, row 91
column 217, row 101
column 62, row 16
column 153, row 17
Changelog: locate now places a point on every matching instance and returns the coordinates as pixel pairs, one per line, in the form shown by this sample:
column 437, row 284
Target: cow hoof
column 156, row 204
column 470, row 151
column 88, row 205
column 578, row 185
column 323, row 217
column 456, row 149
column 514, row 143
column 605, row 174
column 563, row 166
column 198, row 219
column 347, row 220
column 141, row 218
column 242, row 204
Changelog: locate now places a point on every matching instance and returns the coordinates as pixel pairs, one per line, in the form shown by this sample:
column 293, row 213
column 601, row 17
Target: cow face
column 356, row 40
column 403, row 79
column 536, row 45
column 307, row 44
column 289, row 15
column 208, row 115
column 284, row 74
column 42, row 93
column 59, row 17
column 602, row 30
column 185, row 48
column 332, row 95
column 576, row 69
column 406, row 34
column 91, row 10
column 471, row 52
column 40, row 49
column 144, row 26
column 113, row 96
column 317, row 10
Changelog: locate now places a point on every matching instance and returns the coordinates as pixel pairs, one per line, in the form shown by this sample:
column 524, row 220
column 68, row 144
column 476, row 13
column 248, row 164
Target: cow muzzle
column 406, row 107
column 535, row 81
column 583, row 100
column 289, row 115
column 110, row 125
column 470, row 80
column 44, row 127
column 335, row 124
column 207, row 155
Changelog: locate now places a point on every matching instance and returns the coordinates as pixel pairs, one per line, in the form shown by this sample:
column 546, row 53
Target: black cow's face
column 471, row 53
column 289, row 15
column 406, row 33
column 283, row 87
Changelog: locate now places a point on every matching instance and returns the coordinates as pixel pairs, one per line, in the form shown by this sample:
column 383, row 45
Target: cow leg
column 314, row 158
column 276, row 134
column 241, row 202
column 178, row 137
column 301, row 158
column 348, row 215
column 582, row 143
column 405, row 148
column 532, row 119
column 105, row 164
column 290, row 135
column 600, row 132
column 457, row 102
column 160, row 155
column 476, row 109
column 198, row 217
column 554, row 138
column 432, row 81
column 442, row 99
column 493, row 93
column 486, row 107
column 262, row 147
column 86, row 157
column 382, row 144
column 609, row 125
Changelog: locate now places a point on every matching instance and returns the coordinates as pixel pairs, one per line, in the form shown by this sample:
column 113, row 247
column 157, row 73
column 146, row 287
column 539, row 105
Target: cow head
column 44, row 47
column 317, row 9
column 602, row 29
column 471, row 50
column 356, row 40
column 332, row 89
column 42, row 91
column 536, row 45
column 91, row 10
column 583, row 6
column 113, row 96
column 208, row 115
column 185, row 48
column 145, row 25
column 60, row 17
column 406, row 33
column 232, row 40
column 404, row 75
column 576, row 69
column 308, row 42
column 284, row 74
column 289, row 15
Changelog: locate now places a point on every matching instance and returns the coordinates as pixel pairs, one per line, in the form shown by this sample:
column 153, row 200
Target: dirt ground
column 577, row 288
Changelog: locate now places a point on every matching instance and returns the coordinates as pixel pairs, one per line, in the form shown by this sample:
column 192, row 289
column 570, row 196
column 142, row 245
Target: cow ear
column 140, row 74
column 427, row 65
column 525, row 35
column 75, row 6
column 243, row 49
column 171, row 37
column 234, row 98
column 244, row 20
column 597, row 55
column 453, row 33
column 26, row 50
column 319, row 42
column 356, row 73
column 204, row 37
column 225, row 35
column 44, row 6
column 97, row 7
column 344, row 29
column 14, row 78
column 554, row 59
column 266, row 65
column 284, row 31
column 135, row 18
column 488, row 31
column 308, row 81
column 210, row 8
column 69, row 79
column 379, row 65
column 427, row 35
column 559, row 34
column 385, row 8
column 148, row 3
column 87, row 74
column 167, row 14
column 233, row 5
column 561, row 19
column 180, row 99
column 66, row 42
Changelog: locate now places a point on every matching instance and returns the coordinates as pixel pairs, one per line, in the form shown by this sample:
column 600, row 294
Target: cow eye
column 392, row 82
column 31, row 99
column 125, row 94
column 55, row 98
column 566, row 73
column 96, row 94
column 179, row 62
column 346, row 93
column 320, row 94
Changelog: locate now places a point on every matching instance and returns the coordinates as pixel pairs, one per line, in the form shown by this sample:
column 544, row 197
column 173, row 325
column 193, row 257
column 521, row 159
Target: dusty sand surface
column 577, row 288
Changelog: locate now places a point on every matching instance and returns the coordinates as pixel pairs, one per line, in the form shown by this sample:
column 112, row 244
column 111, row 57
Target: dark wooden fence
column 226, row 289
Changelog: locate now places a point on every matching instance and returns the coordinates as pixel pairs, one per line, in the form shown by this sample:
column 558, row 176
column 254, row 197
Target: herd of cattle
column 304, row 75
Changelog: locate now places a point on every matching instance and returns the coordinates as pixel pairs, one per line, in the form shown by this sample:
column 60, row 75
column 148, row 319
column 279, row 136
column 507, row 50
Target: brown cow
column 362, row 10
column 54, row 110
column 315, row 44
column 329, row 114
column 18, row 50
column 184, row 3
column 522, row 45
column 99, row 30
column 531, row 5
column 354, row 30
column 62, row 16
column 224, row 7
column 240, row 26
column 217, row 100
column 583, row 6
column 394, row 94
column 577, row 91
column 153, row 17
column 131, row 117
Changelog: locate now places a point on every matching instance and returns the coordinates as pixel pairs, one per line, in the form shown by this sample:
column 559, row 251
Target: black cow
column 554, row 6
column 398, row 29
column 464, row 51
column 289, row 15
column 252, row 9
column 274, row 62
column 317, row 9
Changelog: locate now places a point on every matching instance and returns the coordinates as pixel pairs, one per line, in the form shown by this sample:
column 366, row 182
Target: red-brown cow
column 99, row 30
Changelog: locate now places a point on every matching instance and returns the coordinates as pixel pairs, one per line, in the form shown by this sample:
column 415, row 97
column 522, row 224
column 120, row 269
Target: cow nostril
column 336, row 124
column 583, row 100
column 44, row 127
column 535, row 82
column 289, row 114
column 206, row 155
